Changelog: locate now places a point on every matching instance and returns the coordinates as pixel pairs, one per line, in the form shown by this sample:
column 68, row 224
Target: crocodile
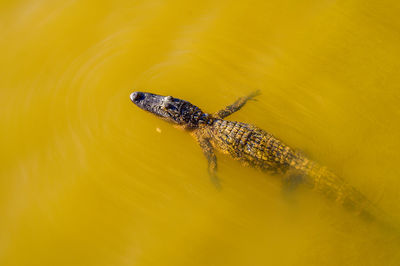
column 253, row 147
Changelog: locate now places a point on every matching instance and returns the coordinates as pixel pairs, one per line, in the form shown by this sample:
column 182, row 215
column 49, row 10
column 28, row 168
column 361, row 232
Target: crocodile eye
column 170, row 107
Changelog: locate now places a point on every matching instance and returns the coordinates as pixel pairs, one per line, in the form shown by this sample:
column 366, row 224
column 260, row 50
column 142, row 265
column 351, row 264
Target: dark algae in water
column 257, row 148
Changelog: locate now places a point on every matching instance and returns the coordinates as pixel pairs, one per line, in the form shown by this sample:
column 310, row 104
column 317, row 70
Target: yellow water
column 87, row 178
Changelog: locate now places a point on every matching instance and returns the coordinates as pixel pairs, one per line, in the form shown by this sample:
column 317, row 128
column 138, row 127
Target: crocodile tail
column 320, row 179
column 338, row 190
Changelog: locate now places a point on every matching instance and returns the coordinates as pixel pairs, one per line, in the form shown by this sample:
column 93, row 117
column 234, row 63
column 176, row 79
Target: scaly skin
column 259, row 149
column 253, row 147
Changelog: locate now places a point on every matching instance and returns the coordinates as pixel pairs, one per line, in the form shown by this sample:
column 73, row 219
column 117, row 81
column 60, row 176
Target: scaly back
column 252, row 145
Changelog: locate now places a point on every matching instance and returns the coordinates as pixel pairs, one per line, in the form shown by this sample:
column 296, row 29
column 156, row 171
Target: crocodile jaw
column 166, row 107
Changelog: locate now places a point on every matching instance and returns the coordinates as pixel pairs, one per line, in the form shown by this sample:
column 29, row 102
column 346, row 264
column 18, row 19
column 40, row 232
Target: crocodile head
column 171, row 109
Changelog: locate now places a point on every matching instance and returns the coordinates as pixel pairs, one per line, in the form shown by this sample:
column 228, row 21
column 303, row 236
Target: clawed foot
column 216, row 181
column 253, row 95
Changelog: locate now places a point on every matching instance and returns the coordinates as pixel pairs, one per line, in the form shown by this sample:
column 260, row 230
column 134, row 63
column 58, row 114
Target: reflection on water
column 87, row 179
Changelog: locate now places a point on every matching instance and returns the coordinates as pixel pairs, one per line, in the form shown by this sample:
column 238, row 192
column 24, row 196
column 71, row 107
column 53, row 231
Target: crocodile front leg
column 239, row 103
column 208, row 151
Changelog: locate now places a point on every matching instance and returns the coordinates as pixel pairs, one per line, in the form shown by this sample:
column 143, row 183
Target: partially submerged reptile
column 254, row 147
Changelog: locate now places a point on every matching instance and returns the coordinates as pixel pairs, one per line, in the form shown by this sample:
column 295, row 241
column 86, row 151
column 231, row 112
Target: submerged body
column 260, row 149
column 253, row 147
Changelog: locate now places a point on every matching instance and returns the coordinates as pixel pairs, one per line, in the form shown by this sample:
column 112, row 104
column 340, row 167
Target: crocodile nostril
column 137, row 96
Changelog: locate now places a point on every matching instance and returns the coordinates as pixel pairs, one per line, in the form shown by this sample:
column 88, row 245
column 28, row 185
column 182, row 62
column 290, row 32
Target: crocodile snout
column 137, row 96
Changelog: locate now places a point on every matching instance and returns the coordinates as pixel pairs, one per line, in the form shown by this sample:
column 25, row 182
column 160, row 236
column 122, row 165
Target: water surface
column 86, row 178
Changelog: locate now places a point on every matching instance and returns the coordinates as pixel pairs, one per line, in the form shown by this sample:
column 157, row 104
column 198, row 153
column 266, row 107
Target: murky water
column 86, row 178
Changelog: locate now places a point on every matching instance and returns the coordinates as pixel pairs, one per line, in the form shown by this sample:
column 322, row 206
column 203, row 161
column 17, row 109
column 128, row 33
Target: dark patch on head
column 171, row 109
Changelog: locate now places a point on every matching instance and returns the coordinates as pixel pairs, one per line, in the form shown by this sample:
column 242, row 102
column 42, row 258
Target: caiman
column 253, row 147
